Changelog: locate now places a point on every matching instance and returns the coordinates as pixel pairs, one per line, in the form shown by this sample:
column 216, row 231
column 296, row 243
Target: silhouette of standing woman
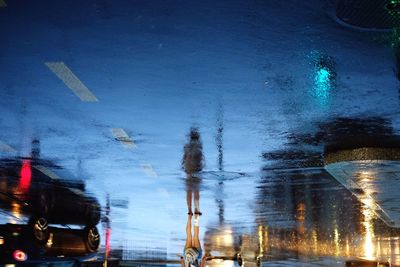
column 192, row 163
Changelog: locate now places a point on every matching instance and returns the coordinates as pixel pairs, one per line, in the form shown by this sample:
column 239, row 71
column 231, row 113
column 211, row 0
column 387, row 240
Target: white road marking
column 148, row 170
column 121, row 136
column 47, row 172
column 6, row 148
column 54, row 176
column 77, row 191
column 163, row 192
column 69, row 78
column 3, row 3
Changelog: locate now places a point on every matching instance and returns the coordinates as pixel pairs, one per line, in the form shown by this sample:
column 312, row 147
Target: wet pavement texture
column 218, row 132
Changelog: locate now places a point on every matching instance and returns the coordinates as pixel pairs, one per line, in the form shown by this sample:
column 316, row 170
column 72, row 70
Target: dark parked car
column 40, row 188
column 38, row 241
column 63, row 217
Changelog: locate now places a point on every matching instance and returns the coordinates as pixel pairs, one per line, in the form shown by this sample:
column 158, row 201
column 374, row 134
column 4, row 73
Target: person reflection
column 192, row 163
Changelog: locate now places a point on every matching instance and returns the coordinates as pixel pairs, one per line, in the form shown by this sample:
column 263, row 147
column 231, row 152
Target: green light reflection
column 323, row 85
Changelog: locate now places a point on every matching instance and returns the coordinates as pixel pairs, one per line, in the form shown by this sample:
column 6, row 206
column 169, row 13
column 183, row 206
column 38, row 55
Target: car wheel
column 92, row 239
column 40, row 230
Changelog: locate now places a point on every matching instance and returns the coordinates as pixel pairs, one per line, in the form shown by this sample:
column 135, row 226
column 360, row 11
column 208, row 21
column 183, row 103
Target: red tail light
column 26, row 175
column 19, row 255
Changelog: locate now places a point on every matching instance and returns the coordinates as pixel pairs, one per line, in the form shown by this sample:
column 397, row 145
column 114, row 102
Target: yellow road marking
column 69, row 78
column 3, row 3
column 47, row 172
column 121, row 136
column 6, row 148
column 148, row 170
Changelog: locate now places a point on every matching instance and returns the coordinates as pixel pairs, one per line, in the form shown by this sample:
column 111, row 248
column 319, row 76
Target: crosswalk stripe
column 47, row 172
column 149, row 170
column 54, row 176
column 76, row 191
column 163, row 192
column 6, row 148
column 121, row 136
column 71, row 80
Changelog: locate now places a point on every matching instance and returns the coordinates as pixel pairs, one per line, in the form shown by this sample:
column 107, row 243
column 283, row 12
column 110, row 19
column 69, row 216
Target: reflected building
column 309, row 212
column 314, row 224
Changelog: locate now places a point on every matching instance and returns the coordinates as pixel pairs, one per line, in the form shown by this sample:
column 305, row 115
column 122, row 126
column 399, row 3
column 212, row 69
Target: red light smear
column 19, row 255
column 26, row 175
column 108, row 247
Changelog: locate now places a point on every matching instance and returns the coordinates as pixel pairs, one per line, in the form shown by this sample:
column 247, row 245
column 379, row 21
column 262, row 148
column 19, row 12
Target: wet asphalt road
column 109, row 92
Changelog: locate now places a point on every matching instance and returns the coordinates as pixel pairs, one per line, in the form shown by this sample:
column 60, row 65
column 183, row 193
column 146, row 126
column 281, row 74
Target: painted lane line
column 163, row 192
column 71, row 81
column 3, row 3
column 77, row 191
column 4, row 147
column 47, row 172
column 54, row 176
column 148, row 170
column 121, row 136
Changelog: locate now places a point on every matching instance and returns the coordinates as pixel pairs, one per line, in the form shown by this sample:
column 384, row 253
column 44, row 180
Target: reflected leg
column 189, row 201
column 197, row 202
column 196, row 239
column 189, row 232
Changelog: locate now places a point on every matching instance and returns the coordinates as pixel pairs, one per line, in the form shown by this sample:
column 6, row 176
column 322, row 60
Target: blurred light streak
column 26, row 176
column 108, row 246
column 337, row 245
column 369, row 246
column 347, row 248
column 15, row 212
column 300, row 217
column 322, row 84
column 314, row 236
column 364, row 179
column 261, row 242
column 49, row 242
